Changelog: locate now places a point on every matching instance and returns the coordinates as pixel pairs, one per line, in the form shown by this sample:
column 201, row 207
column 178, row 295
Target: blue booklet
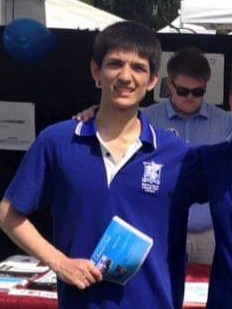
column 121, row 251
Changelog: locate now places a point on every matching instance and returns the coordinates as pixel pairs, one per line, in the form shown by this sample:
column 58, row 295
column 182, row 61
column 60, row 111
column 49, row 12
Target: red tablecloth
column 195, row 272
column 25, row 302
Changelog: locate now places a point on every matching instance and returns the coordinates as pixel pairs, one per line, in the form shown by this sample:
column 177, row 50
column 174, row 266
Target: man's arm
column 89, row 113
column 79, row 272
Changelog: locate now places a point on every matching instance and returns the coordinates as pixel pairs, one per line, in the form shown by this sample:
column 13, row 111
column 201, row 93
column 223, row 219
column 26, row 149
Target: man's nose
column 125, row 73
column 190, row 96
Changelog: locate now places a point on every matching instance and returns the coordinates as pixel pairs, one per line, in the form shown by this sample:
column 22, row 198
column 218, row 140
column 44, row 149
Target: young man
column 115, row 164
column 198, row 123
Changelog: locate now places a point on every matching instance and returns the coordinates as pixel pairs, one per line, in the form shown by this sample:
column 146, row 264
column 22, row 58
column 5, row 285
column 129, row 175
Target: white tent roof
column 67, row 14
column 177, row 27
column 213, row 14
column 73, row 14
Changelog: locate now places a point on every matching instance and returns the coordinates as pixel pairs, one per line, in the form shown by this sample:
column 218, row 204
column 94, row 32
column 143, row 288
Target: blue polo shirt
column 64, row 169
column 218, row 165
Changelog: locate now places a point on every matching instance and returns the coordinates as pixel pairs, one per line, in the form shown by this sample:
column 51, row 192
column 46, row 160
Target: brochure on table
column 22, row 264
column 23, row 275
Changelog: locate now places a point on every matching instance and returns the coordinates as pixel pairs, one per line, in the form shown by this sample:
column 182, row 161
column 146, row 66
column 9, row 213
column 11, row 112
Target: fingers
column 89, row 276
column 82, row 116
column 79, row 117
column 83, row 282
column 86, row 114
column 96, row 273
column 79, row 272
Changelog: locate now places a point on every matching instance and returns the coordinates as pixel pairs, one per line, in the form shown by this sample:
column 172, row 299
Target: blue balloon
column 27, row 39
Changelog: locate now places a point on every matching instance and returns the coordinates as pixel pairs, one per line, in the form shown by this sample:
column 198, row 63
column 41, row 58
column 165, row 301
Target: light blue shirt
column 210, row 125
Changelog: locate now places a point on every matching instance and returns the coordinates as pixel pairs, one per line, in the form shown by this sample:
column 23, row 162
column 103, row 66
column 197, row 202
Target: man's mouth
column 123, row 89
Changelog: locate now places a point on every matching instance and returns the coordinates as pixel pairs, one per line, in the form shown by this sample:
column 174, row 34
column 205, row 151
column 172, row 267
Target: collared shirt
column 110, row 165
column 210, row 125
column 64, row 169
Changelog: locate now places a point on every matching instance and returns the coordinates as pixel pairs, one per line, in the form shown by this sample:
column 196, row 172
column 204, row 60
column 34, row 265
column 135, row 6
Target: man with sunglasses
column 199, row 123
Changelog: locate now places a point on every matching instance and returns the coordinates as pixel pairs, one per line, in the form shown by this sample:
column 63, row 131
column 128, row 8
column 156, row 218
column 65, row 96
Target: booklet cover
column 121, row 251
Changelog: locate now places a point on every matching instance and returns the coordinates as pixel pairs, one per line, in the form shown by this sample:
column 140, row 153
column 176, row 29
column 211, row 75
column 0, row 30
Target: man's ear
column 169, row 82
column 153, row 81
column 95, row 71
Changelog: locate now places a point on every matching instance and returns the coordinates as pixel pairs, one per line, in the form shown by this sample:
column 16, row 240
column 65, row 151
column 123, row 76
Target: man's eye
column 140, row 68
column 114, row 64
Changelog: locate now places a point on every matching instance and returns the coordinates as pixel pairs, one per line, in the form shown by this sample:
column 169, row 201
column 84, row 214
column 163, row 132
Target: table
column 195, row 272
column 25, row 302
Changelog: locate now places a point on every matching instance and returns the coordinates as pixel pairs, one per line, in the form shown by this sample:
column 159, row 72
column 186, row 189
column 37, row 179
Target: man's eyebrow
column 142, row 64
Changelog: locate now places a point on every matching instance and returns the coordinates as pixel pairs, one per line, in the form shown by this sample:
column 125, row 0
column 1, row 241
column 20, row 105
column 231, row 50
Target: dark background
column 60, row 85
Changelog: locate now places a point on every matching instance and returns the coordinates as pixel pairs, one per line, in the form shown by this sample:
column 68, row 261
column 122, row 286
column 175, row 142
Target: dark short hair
column 128, row 36
column 189, row 61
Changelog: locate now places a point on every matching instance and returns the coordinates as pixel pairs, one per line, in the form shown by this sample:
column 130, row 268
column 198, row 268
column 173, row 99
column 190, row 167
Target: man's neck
column 182, row 114
column 118, row 131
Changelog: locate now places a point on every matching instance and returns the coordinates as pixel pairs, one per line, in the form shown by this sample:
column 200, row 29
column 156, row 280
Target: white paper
column 49, row 278
column 17, row 125
column 33, row 293
column 196, row 292
column 22, row 264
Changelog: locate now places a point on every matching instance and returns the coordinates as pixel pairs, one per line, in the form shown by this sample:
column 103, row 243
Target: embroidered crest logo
column 151, row 177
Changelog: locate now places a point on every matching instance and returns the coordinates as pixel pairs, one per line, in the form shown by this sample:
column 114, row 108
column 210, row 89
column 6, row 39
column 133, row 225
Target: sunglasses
column 184, row 92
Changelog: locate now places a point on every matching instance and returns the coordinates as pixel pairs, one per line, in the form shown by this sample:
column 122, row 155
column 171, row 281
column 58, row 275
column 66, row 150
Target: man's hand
column 79, row 272
column 86, row 114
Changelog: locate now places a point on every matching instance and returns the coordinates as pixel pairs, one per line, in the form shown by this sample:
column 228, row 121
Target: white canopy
column 75, row 14
column 213, row 14
column 67, row 14
column 177, row 27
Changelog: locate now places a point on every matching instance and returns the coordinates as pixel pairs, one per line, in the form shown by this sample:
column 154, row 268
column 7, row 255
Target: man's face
column 186, row 103
column 125, row 78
